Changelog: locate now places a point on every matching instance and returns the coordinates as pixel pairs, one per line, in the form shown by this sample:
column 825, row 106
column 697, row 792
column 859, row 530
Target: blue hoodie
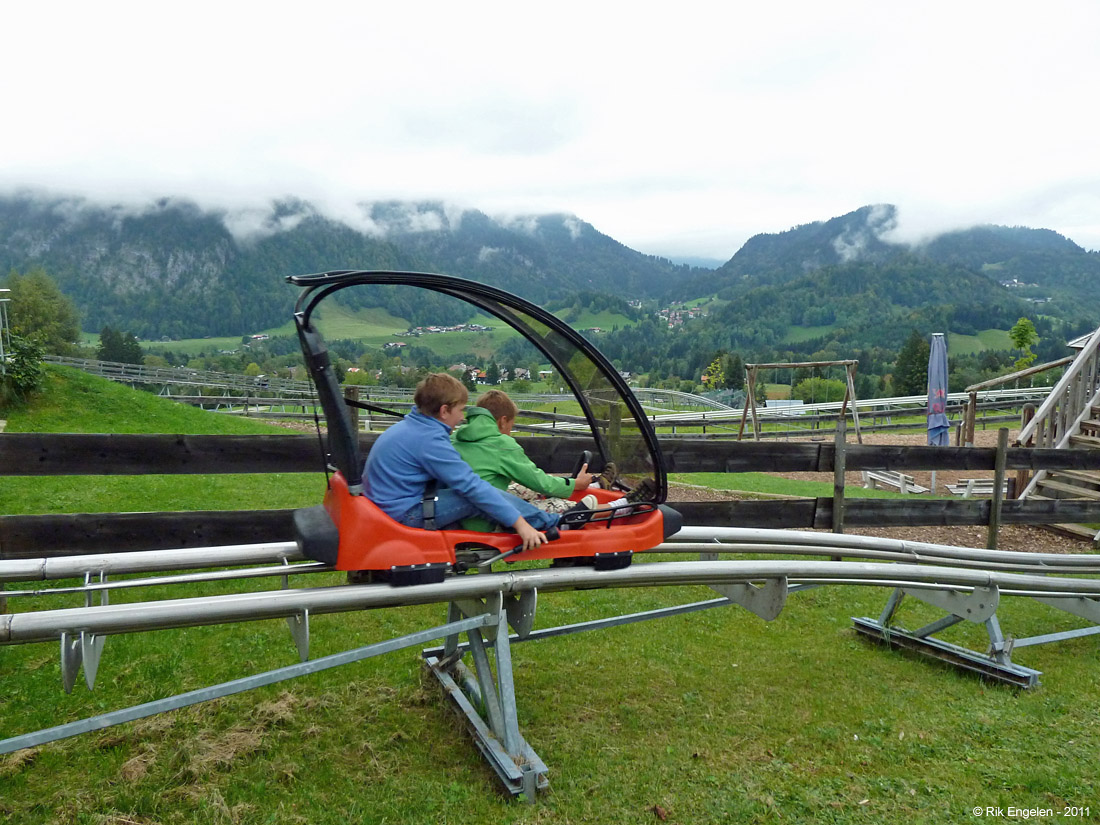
column 416, row 449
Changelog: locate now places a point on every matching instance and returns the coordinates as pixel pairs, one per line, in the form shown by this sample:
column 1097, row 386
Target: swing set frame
column 849, row 392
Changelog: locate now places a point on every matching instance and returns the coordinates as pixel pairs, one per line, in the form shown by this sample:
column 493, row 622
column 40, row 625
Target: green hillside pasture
column 796, row 334
column 74, row 402
column 211, row 346
column 375, row 327
column 987, row 339
column 606, row 321
column 337, row 321
column 334, row 320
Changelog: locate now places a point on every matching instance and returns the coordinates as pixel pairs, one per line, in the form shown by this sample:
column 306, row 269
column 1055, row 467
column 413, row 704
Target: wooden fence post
column 352, row 394
column 998, row 488
column 971, row 412
column 1024, row 476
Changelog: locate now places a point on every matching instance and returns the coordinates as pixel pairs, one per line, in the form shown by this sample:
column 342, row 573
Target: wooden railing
column 1068, row 403
column 31, row 454
column 972, row 405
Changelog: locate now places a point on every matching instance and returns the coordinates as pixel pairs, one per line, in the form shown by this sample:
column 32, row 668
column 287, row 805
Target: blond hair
column 499, row 404
column 439, row 390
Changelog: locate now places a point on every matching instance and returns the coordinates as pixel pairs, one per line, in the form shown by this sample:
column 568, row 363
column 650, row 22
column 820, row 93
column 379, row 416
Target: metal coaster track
column 967, row 583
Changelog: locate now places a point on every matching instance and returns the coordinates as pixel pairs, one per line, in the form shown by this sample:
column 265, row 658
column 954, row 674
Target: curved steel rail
column 105, row 620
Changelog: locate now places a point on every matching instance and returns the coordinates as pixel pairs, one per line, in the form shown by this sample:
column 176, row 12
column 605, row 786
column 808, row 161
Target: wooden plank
column 32, row 454
column 788, row 513
column 866, row 512
column 51, row 454
column 75, row 534
column 23, row 537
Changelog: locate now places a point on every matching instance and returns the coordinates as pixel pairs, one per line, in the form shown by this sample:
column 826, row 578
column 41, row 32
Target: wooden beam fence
column 33, row 454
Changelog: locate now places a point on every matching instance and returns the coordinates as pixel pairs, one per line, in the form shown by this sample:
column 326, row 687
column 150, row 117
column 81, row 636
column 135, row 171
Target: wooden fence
column 32, row 454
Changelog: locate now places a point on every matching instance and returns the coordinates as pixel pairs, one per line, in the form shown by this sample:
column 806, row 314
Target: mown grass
column 75, row 402
column 704, row 718
column 987, row 339
column 797, row 334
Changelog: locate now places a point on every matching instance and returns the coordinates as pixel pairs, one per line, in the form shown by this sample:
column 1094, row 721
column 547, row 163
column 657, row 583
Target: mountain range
column 172, row 269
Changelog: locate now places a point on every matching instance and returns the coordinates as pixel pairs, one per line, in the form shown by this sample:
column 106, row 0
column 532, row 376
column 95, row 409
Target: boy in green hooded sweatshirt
column 486, row 444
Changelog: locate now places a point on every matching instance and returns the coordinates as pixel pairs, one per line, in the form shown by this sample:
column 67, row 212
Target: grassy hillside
column 74, row 402
column 987, row 339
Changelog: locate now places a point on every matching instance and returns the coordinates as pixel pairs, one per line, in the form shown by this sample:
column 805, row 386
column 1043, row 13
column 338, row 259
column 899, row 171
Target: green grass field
column 796, row 335
column 710, row 717
column 987, row 339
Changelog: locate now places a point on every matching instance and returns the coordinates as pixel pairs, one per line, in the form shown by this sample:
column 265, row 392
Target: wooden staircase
column 1075, row 483
column 1080, row 431
column 1069, row 419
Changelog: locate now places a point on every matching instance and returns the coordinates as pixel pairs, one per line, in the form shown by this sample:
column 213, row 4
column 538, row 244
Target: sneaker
column 609, row 475
column 579, row 514
column 589, row 502
column 645, row 491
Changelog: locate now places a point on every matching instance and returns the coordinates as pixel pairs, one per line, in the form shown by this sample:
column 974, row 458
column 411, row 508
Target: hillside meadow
column 710, row 717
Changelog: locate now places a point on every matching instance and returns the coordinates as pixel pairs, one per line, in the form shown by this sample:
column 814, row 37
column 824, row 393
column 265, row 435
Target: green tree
column 911, row 368
column 118, row 346
column 819, row 390
column 733, row 368
column 40, row 312
column 714, row 376
column 1023, row 337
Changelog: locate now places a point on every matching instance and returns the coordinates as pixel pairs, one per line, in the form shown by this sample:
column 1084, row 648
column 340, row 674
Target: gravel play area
column 1011, row 537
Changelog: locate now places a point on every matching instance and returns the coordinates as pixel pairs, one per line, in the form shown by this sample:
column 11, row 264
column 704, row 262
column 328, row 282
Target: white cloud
column 674, row 131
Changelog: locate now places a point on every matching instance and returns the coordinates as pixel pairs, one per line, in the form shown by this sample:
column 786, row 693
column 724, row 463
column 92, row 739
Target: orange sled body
column 350, row 532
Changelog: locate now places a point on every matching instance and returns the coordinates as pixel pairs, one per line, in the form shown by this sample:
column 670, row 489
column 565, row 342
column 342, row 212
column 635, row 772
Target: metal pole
column 271, row 677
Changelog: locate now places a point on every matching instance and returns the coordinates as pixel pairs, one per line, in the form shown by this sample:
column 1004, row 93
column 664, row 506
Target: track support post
column 978, row 606
column 487, row 700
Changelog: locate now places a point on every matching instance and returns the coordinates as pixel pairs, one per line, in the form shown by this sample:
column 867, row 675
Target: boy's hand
column 531, row 537
column 584, row 479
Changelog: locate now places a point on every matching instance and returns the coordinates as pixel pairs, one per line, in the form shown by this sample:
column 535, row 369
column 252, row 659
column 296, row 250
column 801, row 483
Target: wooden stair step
column 1078, row 530
column 1072, row 489
column 1085, row 441
column 1083, row 476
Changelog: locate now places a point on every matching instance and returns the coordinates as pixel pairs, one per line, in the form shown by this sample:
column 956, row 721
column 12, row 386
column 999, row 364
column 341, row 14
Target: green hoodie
column 499, row 460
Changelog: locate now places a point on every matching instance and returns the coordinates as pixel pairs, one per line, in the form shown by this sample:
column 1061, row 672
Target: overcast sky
column 678, row 129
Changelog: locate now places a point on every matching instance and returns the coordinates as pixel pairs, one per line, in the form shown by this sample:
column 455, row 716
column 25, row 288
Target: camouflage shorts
column 547, row 505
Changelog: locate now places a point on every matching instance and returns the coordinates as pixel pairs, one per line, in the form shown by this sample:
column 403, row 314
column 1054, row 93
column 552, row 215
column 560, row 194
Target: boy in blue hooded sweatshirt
column 418, row 449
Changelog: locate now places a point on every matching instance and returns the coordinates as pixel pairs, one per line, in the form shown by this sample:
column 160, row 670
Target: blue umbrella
column 939, row 427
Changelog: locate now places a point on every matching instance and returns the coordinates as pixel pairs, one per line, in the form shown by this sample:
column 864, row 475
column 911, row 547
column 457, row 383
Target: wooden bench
column 881, row 479
column 971, row 487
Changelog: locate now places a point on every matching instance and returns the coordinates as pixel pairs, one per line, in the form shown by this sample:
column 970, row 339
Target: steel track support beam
column 960, row 657
column 487, row 703
column 979, row 606
column 70, row 662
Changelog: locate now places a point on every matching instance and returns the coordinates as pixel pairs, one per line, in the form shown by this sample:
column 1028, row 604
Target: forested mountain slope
column 172, row 269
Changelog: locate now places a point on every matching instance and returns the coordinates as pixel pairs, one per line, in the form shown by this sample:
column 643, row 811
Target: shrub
column 23, row 372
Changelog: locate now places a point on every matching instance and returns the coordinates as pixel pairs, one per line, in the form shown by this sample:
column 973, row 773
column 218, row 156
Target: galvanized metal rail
column 966, row 583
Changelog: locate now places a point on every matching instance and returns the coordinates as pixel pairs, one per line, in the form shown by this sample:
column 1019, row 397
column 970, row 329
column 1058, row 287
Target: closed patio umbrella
column 939, row 428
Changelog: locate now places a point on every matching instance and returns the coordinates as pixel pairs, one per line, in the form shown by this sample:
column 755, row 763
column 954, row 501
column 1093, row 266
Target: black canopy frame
column 511, row 309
